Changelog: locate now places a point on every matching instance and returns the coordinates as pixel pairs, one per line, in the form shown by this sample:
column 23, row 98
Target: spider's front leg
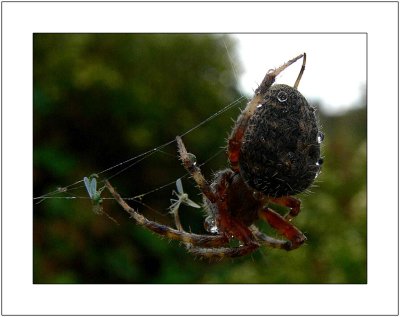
column 200, row 240
column 205, row 246
column 236, row 137
column 224, row 252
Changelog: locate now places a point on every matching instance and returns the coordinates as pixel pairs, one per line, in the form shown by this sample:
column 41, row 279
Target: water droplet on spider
column 214, row 230
column 260, row 105
column 192, row 158
column 210, row 225
column 61, row 189
column 318, row 164
column 282, row 96
column 320, row 137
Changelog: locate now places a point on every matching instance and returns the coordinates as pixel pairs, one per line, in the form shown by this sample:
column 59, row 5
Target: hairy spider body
column 280, row 150
column 274, row 152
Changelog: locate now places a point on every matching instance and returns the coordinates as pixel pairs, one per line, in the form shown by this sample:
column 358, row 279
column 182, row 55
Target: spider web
column 76, row 190
column 167, row 149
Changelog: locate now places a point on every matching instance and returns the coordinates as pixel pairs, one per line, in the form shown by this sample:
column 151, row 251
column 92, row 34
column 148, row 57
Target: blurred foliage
column 100, row 99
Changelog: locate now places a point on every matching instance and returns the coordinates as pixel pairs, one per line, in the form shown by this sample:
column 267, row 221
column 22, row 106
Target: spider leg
column 288, row 201
column 268, row 241
column 303, row 67
column 295, row 236
column 220, row 253
column 236, row 137
column 205, row 241
column 194, row 170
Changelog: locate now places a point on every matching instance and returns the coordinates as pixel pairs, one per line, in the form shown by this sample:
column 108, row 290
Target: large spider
column 274, row 152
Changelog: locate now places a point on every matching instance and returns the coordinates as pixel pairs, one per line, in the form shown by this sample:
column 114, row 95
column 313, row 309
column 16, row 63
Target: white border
column 379, row 296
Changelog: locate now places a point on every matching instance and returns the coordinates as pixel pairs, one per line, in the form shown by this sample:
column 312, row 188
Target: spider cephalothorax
column 274, row 152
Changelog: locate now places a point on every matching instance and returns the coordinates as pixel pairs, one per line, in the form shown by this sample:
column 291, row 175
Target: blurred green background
column 100, row 99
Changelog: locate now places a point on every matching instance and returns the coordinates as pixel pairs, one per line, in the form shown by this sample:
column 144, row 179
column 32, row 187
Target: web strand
column 137, row 159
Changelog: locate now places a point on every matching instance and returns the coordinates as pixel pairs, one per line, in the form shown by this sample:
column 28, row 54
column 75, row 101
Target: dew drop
column 282, row 96
column 210, row 225
column 192, row 158
column 318, row 164
column 260, row 105
column 320, row 137
column 61, row 189
column 214, row 230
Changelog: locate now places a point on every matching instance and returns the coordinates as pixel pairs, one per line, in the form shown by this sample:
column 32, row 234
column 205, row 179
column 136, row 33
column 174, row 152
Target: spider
column 274, row 153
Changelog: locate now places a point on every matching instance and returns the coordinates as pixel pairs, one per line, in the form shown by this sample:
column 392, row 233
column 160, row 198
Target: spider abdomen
column 280, row 152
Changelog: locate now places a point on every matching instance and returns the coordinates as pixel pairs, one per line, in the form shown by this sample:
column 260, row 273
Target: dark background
column 100, row 99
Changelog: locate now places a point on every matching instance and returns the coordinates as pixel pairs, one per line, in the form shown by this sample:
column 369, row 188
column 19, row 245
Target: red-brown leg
column 236, row 137
column 284, row 227
column 288, row 201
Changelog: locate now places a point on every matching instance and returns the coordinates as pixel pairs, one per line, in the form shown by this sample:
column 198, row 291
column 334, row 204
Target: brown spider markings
column 240, row 195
